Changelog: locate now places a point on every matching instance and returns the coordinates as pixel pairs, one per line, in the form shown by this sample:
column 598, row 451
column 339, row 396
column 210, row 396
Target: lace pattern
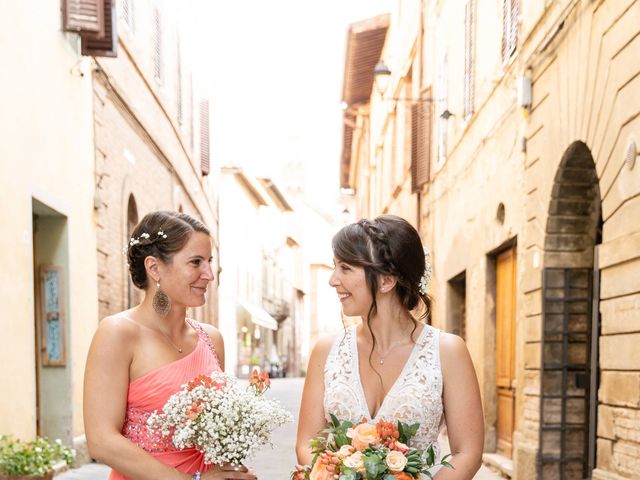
column 416, row 396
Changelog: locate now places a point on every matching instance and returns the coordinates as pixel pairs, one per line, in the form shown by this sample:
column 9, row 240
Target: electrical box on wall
column 523, row 85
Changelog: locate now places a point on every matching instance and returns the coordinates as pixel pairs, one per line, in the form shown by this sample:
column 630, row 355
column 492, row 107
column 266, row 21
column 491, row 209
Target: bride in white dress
column 392, row 366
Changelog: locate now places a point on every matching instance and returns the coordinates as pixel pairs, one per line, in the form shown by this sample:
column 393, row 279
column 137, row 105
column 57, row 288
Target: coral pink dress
column 151, row 391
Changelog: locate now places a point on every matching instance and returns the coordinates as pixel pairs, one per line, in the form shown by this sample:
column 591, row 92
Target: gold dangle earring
column 161, row 301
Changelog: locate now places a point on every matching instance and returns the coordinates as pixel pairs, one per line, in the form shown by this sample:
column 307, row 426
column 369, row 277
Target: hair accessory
column 428, row 272
column 161, row 302
column 196, row 476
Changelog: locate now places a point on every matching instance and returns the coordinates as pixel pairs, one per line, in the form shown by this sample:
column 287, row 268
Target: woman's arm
column 106, row 382
column 462, row 408
column 311, row 418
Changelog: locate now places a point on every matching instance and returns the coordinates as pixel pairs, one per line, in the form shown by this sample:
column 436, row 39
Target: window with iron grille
column 509, row 28
column 469, row 57
column 157, row 46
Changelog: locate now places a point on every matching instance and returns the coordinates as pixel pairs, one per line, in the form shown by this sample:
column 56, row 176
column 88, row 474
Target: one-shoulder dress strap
column 204, row 336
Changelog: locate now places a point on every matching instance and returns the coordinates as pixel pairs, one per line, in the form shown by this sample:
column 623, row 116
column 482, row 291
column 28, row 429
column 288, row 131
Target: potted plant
column 31, row 460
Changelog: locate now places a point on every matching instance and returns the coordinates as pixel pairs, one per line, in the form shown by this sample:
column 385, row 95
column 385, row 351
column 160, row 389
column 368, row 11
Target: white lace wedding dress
column 416, row 395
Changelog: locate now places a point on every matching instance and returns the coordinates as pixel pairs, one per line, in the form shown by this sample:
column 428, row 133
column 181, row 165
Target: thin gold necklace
column 383, row 358
column 179, row 349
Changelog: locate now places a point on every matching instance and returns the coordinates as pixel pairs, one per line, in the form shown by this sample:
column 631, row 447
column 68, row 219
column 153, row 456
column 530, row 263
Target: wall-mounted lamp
column 446, row 115
column 381, row 76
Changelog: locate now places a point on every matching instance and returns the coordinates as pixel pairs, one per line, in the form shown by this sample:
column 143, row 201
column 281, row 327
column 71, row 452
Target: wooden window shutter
column 469, row 58
column 204, row 137
column 107, row 44
column 157, row 45
column 420, row 143
column 83, row 16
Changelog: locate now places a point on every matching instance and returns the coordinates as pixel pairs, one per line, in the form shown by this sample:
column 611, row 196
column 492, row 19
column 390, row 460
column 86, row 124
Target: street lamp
column 381, row 76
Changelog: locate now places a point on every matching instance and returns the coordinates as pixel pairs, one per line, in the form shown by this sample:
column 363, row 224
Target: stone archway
column 133, row 294
column 569, row 332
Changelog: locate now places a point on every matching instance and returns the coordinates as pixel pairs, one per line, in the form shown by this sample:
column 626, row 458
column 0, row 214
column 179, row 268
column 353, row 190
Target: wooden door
column 505, row 348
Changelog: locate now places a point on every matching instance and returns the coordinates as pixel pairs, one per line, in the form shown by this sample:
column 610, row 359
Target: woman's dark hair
column 388, row 245
column 159, row 234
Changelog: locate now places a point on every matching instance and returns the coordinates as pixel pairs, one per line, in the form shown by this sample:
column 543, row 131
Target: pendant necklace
column 179, row 349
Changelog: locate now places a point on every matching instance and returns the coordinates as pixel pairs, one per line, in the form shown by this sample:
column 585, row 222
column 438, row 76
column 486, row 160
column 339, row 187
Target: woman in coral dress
column 140, row 357
column 393, row 366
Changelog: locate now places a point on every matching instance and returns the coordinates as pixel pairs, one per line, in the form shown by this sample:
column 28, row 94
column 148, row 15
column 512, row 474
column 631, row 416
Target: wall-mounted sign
column 52, row 316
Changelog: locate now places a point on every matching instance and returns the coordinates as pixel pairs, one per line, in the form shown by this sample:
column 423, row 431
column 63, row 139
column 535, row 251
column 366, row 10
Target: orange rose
column 320, row 471
column 363, row 435
column 403, row 476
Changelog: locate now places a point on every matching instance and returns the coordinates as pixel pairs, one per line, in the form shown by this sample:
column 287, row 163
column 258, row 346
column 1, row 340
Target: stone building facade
column 507, row 134
column 151, row 139
column 102, row 121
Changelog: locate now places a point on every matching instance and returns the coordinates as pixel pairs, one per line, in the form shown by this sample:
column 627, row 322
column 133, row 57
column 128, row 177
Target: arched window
column 133, row 294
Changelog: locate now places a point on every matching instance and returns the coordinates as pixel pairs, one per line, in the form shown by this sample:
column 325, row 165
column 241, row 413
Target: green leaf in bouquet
column 374, row 466
column 447, row 464
column 348, row 474
column 429, row 457
column 407, row 431
column 335, row 423
column 389, row 476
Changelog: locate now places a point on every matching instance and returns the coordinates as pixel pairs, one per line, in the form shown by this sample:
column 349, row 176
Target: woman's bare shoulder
column 212, row 330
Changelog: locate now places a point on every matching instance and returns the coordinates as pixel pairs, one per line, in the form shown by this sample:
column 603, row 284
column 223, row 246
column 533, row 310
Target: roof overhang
column 247, row 184
column 365, row 41
column 275, row 194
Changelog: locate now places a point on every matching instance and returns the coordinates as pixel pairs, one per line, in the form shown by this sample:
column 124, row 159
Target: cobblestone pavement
column 269, row 464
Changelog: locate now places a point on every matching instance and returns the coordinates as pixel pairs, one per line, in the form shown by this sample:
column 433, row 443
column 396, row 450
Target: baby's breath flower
column 219, row 417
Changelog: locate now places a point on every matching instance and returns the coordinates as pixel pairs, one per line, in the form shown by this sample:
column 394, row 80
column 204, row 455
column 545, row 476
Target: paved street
column 269, row 464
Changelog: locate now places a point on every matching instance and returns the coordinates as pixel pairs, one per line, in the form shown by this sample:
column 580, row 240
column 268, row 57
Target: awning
column 259, row 316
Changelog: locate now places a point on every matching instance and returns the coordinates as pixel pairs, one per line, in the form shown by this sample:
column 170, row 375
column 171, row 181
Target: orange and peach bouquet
column 367, row 452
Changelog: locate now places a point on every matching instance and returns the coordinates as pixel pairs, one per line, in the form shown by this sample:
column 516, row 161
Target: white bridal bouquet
column 221, row 418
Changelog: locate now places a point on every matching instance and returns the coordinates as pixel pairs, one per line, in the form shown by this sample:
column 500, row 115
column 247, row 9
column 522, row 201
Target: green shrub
column 35, row 457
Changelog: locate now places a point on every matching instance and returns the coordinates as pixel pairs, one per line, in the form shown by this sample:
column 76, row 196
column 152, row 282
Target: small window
column 469, row 57
column 509, row 28
column 128, row 14
column 157, row 46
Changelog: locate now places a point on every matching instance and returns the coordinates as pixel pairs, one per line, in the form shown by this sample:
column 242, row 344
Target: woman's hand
column 229, row 471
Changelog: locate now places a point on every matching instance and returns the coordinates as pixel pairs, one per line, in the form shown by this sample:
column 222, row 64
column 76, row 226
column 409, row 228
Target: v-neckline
column 356, row 360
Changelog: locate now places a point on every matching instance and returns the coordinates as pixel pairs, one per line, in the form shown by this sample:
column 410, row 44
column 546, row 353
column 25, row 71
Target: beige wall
column 46, row 136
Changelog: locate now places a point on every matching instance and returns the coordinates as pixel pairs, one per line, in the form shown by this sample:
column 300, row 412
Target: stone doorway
column 570, row 320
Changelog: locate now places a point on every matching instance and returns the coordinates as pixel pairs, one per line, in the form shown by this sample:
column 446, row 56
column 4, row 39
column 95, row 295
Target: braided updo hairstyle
column 159, row 234
column 388, row 245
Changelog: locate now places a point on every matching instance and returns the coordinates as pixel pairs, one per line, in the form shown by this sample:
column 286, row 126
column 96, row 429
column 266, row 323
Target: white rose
column 396, row 461
column 345, row 451
column 354, row 461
